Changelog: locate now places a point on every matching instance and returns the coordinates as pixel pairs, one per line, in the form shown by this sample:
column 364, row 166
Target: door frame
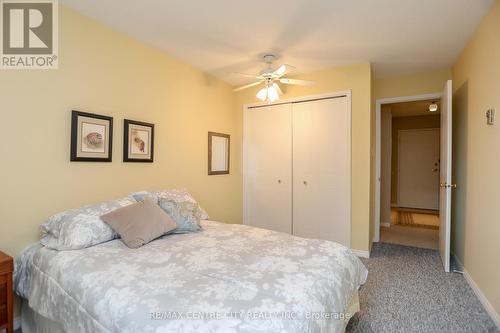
column 378, row 149
column 246, row 107
column 399, row 159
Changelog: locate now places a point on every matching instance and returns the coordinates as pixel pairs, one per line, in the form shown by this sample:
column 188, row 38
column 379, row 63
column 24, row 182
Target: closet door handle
column 279, row 181
column 305, row 182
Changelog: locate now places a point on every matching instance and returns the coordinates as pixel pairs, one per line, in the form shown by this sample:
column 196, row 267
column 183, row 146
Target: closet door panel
column 321, row 170
column 268, row 167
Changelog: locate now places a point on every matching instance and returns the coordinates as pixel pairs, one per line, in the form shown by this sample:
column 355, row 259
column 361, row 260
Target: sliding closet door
column 268, row 167
column 321, row 170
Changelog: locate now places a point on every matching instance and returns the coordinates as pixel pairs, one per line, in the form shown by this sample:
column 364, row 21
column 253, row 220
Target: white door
column 445, row 177
column 418, row 164
column 268, row 167
column 321, row 170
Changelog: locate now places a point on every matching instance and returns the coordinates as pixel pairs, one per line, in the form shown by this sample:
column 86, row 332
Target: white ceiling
column 418, row 108
column 227, row 36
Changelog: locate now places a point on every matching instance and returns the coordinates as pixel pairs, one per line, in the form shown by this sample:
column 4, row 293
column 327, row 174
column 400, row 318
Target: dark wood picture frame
column 126, row 138
column 74, row 137
column 228, row 137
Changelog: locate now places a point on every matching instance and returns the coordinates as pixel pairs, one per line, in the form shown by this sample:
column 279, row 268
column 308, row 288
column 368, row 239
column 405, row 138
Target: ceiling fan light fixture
column 433, row 107
column 272, row 93
column 262, row 94
column 269, row 76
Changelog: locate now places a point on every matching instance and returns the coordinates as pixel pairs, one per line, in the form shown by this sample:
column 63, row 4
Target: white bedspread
column 226, row 278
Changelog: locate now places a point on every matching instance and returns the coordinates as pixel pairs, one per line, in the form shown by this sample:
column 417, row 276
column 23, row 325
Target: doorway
column 445, row 164
column 409, row 144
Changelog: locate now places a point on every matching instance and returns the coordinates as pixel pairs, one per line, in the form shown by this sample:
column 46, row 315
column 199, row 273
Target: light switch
column 490, row 116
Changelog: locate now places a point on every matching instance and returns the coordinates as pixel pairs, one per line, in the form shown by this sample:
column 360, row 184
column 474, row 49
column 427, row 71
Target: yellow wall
column 103, row 71
column 356, row 78
column 410, row 85
column 476, row 213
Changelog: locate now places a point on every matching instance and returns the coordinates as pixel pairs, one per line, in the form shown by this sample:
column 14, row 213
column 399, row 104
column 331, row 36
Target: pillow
column 141, row 195
column 82, row 227
column 139, row 223
column 176, row 195
column 183, row 213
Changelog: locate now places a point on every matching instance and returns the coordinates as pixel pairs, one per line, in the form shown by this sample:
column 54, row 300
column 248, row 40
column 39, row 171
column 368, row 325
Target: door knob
column 305, row 182
column 279, row 181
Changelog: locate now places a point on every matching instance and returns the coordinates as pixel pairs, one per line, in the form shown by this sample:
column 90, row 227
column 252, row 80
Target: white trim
column 477, row 291
column 378, row 148
column 348, row 95
column 385, row 224
column 361, row 253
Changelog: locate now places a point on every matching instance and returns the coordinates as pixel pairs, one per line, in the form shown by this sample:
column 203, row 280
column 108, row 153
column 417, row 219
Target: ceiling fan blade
column 282, row 70
column 247, row 86
column 297, row 82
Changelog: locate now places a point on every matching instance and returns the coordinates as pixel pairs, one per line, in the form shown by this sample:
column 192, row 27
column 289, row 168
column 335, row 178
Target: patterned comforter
column 226, row 278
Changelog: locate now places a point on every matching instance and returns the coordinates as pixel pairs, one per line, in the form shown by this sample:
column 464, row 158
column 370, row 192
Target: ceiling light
column 433, row 107
column 272, row 94
column 262, row 94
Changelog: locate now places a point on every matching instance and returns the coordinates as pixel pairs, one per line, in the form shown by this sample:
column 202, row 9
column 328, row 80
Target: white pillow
column 175, row 195
column 81, row 227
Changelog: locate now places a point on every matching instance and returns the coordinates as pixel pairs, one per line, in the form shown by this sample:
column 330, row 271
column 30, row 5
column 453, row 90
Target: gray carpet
column 408, row 291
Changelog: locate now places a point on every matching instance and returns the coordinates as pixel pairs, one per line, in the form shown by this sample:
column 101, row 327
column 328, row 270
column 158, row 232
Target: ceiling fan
column 270, row 77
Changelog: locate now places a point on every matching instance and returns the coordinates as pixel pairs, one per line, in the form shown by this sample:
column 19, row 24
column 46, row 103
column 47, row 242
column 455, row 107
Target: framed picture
column 218, row 153
column 91, row 137
column 138, row 141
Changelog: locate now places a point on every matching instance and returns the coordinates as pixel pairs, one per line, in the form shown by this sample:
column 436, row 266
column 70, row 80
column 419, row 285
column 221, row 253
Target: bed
column 225, row 278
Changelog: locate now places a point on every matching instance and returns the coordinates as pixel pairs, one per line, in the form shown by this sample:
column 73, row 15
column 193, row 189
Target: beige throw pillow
column 139, row 223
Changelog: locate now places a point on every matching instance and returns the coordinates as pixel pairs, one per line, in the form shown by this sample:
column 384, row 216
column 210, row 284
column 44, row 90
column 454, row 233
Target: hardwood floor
column 410, row 236
column 415, row 217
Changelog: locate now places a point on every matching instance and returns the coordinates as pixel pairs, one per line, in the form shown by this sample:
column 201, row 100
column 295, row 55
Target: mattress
column 226, row 278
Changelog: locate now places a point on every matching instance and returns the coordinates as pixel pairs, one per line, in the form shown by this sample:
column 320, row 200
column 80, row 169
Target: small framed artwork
column 138, row 141
column 91, row 137
column 218, row 153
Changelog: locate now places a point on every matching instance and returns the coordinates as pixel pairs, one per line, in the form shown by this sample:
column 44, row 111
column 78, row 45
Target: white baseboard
column 482, row 298
column 361, row 253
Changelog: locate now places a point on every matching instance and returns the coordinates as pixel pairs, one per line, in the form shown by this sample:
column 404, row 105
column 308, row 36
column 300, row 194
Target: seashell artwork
column 94, row 140
column 91, row 137
column 140, row 143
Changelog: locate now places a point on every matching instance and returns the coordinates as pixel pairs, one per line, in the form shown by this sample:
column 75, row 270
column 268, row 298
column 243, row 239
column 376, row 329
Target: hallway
column 411, row 227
